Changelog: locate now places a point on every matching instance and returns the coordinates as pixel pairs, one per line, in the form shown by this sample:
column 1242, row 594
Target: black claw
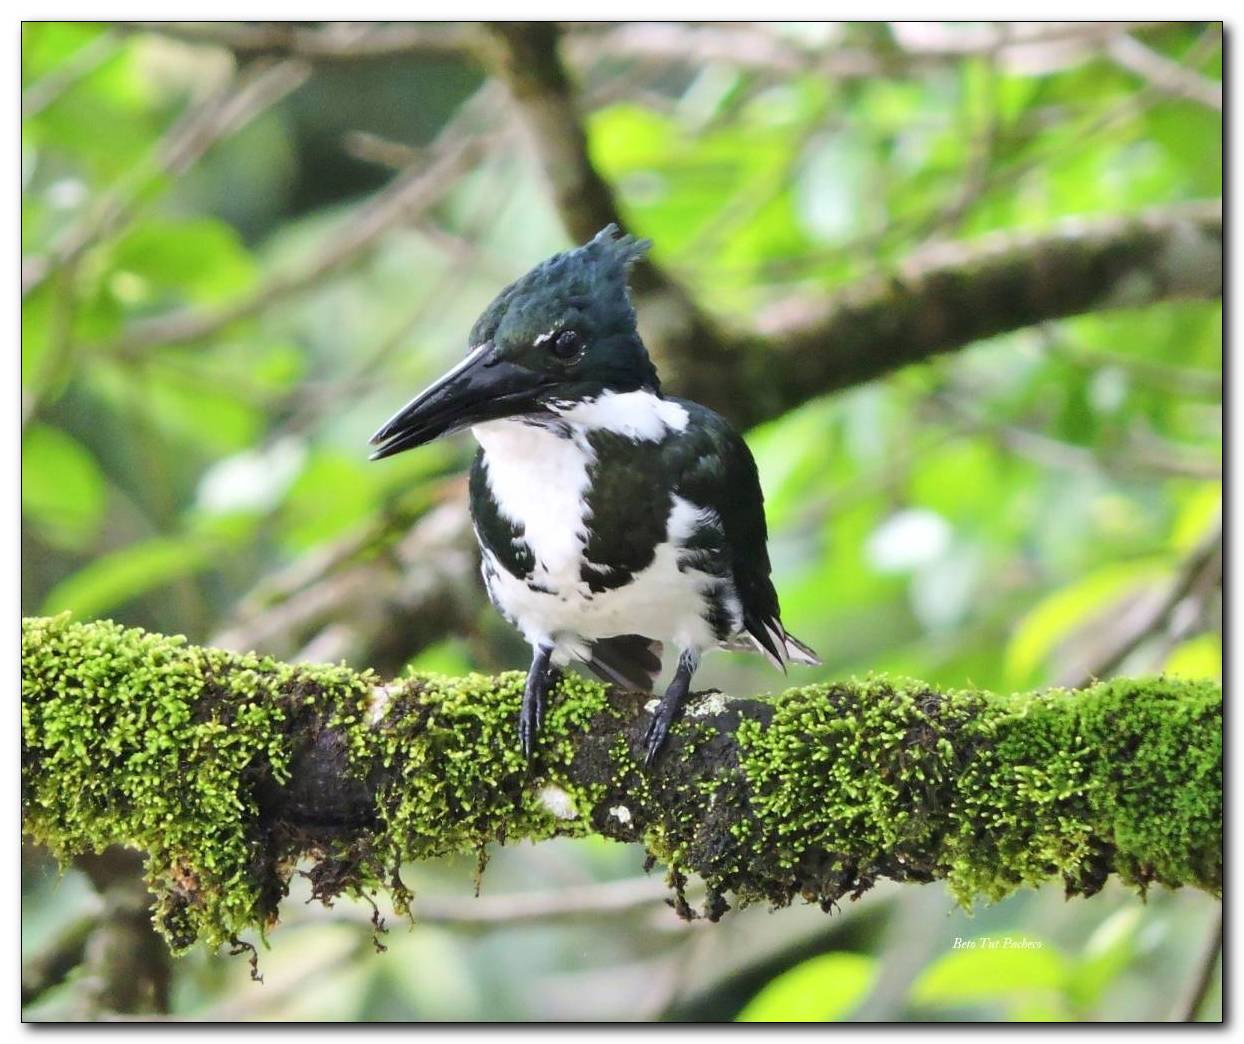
column 529, row 721
column 656, row 735
column 527, row 729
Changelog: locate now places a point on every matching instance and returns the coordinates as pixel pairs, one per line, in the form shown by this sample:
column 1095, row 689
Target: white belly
column 539, row 480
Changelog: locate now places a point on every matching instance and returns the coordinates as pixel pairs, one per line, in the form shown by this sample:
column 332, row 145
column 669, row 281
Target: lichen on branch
column 228, row 769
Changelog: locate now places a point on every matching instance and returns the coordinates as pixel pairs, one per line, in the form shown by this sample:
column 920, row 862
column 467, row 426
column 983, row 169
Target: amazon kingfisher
column 612, row 519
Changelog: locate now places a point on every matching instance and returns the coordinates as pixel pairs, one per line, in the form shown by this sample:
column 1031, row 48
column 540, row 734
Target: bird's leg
column 670, row 706
column 540, row 678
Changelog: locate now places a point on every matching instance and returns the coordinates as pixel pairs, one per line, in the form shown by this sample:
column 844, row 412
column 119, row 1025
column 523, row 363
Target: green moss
column 210, row 762
column 143, row 740
column 848, row 782
column 453, row 777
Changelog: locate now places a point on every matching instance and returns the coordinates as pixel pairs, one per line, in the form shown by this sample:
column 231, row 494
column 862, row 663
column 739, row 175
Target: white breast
column 539, row 479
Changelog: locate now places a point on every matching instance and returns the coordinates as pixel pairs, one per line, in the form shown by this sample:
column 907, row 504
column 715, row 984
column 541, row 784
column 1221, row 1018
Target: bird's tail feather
column 770, row 638
column 627, row 660
column 797, row 652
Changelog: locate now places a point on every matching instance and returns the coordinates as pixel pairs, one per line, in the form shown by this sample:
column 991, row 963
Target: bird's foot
column 540, row 680
column 670, row 707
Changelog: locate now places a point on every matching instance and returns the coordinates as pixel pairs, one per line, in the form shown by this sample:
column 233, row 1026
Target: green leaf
column 1200, row 657
column 207, row 415
column 36, row 323
column 1198, row 511
column 63, row 490
column 204, row 259
column 105, row 124
column 990, row 968
column 624, row 138
column 1056, row 616
column 47, row 45
column 332, row 493
column 117, row 578
column 823, row 989
column 451, row 657
column 1108, row 952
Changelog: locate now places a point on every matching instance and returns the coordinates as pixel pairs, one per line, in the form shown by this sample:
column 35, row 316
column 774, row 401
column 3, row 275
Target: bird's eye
column 566, row 344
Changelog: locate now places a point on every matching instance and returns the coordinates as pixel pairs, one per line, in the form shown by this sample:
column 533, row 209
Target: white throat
column 638, row 415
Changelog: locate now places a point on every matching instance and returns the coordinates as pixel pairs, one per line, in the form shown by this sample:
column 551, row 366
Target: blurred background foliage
column 244, row 246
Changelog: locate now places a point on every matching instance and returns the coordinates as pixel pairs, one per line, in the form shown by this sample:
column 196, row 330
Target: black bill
column 482, row 387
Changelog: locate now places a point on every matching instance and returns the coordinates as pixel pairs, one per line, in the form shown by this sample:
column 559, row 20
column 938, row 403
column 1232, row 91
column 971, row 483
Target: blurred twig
column 408, row 194
column 909, row 47
column 611, row 899
column 751, row 46
column 372, row 148
column 964, row 39
column 626, row 897
column 1163, row 73
column 126, row 967
column 1191, row 1002
column 51, row 965
column 257, row 88
column 42, row 93
column 330, row 41
column 1153, row 456
column 1180, row 380
column 1152, row 613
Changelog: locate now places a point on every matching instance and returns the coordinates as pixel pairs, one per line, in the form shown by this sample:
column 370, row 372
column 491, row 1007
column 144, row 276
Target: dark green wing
column 716, row 470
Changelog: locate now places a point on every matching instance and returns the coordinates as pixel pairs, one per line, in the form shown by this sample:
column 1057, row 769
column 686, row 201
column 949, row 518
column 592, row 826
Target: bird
column 613, row 519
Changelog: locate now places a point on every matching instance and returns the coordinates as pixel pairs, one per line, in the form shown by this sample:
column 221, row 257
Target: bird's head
column 562, row 334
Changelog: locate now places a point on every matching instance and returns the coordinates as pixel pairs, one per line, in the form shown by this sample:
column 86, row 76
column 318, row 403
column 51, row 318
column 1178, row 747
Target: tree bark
column 226, row 769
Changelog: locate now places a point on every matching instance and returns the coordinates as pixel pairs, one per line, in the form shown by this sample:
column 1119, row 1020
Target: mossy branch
column 226, row 769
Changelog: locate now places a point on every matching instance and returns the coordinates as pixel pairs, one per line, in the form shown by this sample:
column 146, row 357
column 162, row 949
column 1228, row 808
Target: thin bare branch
column 256, row 90
column 1181, row 380
column 408, row 195
column 1169, row 76
column 331, row 41
column 915, row 46
column 1190, row 1004
column 1149, row 456
column 627, row 897
column 1150, row 614
column 42, row 93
